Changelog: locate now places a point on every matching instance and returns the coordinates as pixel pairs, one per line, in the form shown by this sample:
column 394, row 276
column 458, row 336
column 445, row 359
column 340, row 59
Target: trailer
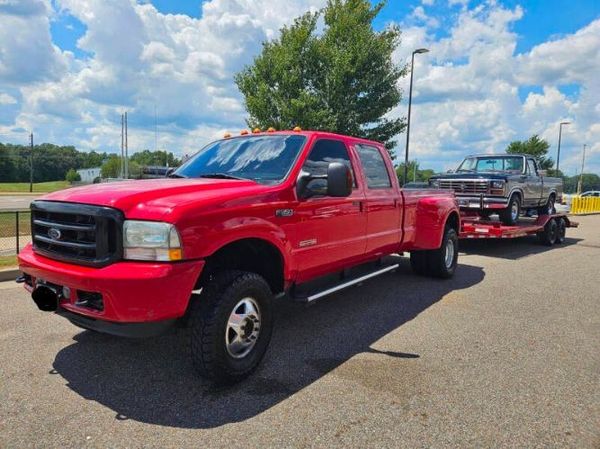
column 549, row 229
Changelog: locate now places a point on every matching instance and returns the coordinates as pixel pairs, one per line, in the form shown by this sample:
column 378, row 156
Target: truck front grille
column 79, row 233
column 464, row 186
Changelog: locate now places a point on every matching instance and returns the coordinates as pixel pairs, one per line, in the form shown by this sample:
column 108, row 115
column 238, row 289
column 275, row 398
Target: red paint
column 323, row 234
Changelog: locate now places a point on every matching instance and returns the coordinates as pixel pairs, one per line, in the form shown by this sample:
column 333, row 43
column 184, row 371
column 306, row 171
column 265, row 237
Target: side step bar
column 314, row 296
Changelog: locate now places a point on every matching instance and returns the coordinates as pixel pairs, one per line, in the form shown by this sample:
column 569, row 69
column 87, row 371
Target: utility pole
column 580, row 183
column 415, row 171
column 559, row 138
column 122, row 166
column 412, row 69
column 126, row 156
column 31, row 162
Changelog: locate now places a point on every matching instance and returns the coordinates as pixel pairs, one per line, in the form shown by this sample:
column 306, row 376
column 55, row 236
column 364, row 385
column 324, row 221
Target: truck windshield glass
column 264, row 159
column 488, row 164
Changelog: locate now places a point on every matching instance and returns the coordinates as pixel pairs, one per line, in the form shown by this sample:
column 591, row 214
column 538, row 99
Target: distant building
column 89, row 174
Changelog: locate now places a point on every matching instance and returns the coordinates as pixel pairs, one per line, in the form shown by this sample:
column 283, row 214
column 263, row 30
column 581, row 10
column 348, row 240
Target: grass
column 8, row 261
column 38, row 187
column 8, row 224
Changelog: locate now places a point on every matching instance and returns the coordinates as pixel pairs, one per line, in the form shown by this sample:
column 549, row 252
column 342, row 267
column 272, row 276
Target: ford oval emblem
column 54, row 233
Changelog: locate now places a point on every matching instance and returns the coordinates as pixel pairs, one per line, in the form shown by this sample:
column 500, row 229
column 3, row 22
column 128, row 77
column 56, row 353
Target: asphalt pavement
column 506, row 354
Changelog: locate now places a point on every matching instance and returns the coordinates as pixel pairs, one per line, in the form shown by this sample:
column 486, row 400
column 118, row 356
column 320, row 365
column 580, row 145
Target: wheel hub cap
column 449, row 259
column 243, row 328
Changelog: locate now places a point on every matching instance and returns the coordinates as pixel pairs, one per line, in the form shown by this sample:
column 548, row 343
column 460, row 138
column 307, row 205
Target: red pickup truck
column 246, row 220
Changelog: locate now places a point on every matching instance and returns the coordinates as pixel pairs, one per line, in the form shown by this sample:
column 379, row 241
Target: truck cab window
column 532, row 171
column 324, row 152
column 374, row 166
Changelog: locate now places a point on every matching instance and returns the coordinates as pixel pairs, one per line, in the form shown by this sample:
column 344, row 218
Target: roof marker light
column 271, row 129
column 243, row 132
column 297, row 129
column 255, row 130
column 226, row 135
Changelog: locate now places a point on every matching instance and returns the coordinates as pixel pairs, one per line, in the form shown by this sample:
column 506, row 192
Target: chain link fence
column 15, row 232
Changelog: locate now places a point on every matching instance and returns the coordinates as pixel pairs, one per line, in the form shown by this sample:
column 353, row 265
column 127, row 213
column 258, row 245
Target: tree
column 111, row 167
column 418, row 175
column 158, row 158
column 72, row 176
column 342, row 79
column 535, row 147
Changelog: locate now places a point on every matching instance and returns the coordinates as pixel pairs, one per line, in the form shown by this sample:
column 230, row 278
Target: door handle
column 358, row 204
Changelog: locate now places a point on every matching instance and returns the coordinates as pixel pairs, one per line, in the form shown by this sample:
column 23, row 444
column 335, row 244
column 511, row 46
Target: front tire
column 231, row 324
column 549, row 208
column 510, row 215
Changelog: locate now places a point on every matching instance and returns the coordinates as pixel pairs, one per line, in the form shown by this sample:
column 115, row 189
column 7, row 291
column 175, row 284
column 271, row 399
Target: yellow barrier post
column 585, row 205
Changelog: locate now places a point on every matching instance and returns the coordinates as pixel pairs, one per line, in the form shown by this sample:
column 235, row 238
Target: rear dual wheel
column 441, row 262
column 554, row 232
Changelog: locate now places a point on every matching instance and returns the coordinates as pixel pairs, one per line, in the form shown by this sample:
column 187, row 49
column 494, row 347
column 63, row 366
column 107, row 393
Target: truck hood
column 152, row 198
column 465, row 175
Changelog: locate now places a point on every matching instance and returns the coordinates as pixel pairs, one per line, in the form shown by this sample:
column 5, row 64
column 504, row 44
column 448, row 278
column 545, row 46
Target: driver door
column 330, row 232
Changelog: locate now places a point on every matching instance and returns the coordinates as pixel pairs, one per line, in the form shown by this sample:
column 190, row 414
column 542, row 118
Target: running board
column 314, row 296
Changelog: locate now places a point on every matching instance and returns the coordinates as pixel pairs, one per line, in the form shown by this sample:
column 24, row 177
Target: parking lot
column 505, row 354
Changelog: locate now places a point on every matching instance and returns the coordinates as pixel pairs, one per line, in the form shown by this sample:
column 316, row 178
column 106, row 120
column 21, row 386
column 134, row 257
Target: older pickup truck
column 505, row 184
column 247, row 220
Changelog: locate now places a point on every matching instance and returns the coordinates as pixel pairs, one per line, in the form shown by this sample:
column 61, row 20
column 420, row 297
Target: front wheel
column 231, row 325
column 510, row 215
column 549, row 208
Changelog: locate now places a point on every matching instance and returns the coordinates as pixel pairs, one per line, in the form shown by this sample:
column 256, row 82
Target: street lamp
column 559, row 136
column 412, row 64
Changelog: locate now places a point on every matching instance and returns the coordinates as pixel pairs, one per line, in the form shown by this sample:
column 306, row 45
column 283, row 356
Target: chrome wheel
column 243, row 328
column 449, row 257
column 514, row 211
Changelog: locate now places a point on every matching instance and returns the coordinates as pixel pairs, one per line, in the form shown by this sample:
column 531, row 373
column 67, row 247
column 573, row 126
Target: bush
column 72, row 176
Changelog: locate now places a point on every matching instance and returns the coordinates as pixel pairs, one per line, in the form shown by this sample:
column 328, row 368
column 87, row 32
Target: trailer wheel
column 562, row 231
column 510, row 215
column 550, row 233
column 231, row 324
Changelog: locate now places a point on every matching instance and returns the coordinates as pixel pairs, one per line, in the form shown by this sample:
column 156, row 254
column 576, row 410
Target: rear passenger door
column 382, row 201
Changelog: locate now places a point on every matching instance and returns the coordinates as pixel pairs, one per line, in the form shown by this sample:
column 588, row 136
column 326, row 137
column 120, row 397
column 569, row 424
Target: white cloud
column 7, row 99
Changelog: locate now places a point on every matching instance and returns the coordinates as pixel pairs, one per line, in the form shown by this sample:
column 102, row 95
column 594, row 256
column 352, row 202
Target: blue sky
column 497, row 71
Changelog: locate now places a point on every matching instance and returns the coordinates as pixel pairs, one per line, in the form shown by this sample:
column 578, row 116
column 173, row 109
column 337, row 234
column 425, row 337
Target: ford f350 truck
column 247, row 220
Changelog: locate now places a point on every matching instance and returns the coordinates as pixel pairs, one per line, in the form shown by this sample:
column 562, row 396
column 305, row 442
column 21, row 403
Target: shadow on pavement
column 512, row 249
column 152, row 380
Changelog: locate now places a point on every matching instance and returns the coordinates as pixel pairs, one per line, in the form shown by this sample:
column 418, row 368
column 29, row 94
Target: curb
column 9, row 274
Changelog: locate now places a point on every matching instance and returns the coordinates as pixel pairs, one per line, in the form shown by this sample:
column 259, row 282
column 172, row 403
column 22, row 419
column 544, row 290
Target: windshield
column 264, row 159
column 492, row 163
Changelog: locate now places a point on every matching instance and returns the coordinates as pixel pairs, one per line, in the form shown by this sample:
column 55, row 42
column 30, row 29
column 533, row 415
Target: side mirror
column 338, row 182
column 542, row 173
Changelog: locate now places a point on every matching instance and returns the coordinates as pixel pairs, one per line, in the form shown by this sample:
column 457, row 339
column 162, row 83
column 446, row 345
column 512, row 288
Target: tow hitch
column 46, row 297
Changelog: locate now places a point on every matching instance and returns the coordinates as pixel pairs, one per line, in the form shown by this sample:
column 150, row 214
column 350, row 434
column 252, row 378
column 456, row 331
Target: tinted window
column 265, row 159
column 374, row 167
column 492, row 163
column 322, row 154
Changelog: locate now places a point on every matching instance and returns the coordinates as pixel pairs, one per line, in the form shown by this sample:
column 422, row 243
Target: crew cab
column 245, row 221
column 506, row 184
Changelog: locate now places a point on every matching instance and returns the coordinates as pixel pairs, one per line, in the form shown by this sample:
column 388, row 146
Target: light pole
column 580, row 183
column 412, row 65
column 559, row 137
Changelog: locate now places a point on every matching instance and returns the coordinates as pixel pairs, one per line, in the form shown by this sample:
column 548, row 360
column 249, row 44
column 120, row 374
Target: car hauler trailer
column 550, row 229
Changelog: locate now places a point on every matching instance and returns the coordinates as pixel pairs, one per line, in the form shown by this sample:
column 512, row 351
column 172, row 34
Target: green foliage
column 341, row 79
column 72, row 176
column 157, row 158
column 534, row 146
column 421, row 175
column 590, row 181
column 112, row 168
column 50, row 162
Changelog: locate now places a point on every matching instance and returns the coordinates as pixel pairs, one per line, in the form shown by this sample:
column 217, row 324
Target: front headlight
column 434, row 183
column 497, row 185
column 151, row 240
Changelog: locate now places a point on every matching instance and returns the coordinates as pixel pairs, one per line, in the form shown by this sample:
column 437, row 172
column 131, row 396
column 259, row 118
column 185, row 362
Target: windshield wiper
column 175, row 175
column 221, row 176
